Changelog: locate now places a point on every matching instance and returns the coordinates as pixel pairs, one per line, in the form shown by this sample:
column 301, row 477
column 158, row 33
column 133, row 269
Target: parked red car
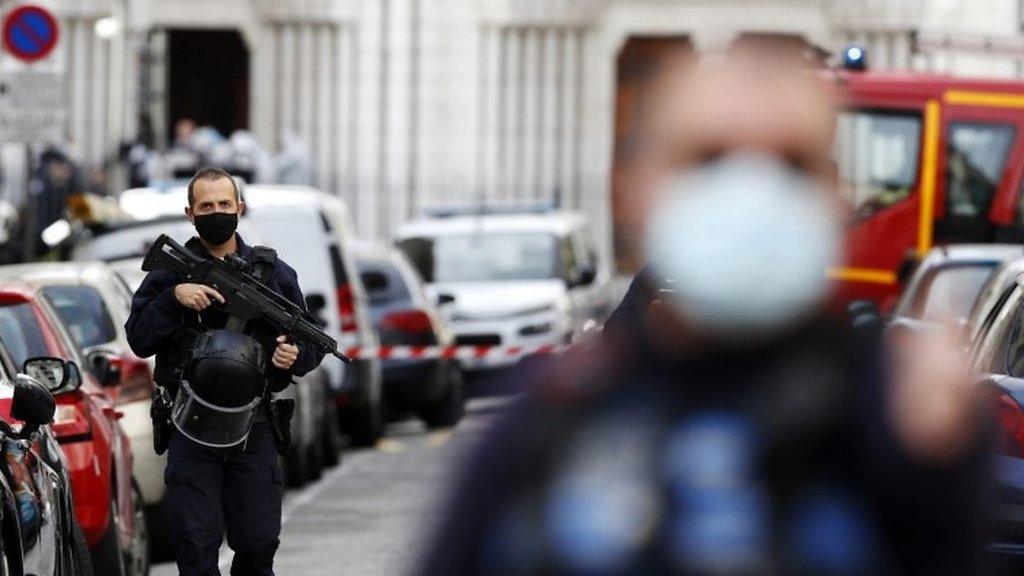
column 106, row 501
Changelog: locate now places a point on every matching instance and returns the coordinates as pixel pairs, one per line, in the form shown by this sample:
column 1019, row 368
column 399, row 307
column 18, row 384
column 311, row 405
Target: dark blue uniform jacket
column 158, row 322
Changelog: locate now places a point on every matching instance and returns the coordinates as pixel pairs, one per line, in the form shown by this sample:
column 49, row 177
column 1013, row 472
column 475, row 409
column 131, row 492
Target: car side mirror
column 374, row 281
column 33, row 404
column 587, row 276
column 864, row 317
column 106, row 367
column 581, row 277
column 443, row 299
column 54, row 374
column 315, row 303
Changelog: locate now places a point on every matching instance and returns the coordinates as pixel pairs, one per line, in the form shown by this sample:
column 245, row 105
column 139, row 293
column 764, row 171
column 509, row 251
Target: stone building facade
column 410, row 103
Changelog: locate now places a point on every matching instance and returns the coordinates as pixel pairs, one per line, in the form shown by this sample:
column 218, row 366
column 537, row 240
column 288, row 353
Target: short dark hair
column 210, row 174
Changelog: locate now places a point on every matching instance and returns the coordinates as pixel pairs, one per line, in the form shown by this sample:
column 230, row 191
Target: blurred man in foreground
column 727, row 424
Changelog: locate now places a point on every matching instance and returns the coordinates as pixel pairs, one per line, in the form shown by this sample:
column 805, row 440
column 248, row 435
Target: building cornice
column 84, row 9
column 878, row 15
column 531, row 13
column 306, row 11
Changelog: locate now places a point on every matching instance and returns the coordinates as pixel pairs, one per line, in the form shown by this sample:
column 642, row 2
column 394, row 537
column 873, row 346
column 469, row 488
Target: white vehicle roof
column 557, row 223
column 260, row 195
column 265, row 196
column 369, row 250
column 167, row 198
column 134, row 239
column 50, row 273
column 130, row 270
column 156, row 202
column 164, row 202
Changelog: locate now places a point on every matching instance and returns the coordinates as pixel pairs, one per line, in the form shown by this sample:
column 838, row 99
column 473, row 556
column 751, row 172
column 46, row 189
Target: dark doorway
column 208, row 79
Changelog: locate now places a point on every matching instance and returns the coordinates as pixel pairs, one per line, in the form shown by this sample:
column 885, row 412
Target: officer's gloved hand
column 285, row 354
column 932, row 401
column 196, row 296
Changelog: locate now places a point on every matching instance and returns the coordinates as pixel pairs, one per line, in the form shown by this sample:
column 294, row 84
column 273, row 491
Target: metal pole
column 31, row 209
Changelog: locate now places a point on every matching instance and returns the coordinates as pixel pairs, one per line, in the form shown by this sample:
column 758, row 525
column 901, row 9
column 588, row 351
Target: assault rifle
column 244, row 297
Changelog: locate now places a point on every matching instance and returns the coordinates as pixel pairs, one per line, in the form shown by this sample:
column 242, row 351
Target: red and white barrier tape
column 451, row 352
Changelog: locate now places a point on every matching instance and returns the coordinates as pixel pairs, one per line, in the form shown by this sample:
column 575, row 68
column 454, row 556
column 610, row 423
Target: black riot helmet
column 221, row 388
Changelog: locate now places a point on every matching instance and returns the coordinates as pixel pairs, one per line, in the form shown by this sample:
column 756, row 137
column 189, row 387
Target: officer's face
column 214, row 196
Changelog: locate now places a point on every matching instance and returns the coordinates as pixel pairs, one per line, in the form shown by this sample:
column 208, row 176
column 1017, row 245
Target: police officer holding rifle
column 228, row 325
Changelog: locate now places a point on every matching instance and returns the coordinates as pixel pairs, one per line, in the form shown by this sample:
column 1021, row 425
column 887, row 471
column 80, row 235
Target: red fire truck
column 925, row 160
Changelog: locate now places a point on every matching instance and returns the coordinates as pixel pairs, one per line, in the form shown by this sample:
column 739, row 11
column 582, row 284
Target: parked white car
column 509, row 278
column 312, row 231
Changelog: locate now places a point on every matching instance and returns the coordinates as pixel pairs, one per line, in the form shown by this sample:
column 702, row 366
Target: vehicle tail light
column 408, row 321
column 70, row 423
column 347, row 308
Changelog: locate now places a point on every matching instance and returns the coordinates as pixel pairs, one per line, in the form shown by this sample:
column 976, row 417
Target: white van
column 310, row 230
column 509, row 277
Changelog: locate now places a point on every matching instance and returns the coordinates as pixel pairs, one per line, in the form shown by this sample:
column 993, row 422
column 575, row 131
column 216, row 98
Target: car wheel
column 107, row 557
column 315, row 461
column 81, row 560
column 366, row 424
column 295, row 465
column 137, row 555
column 331, row 437
column 447, row 410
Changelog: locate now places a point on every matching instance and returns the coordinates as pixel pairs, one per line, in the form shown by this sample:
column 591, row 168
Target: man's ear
column 241, row 207
column 188, row 214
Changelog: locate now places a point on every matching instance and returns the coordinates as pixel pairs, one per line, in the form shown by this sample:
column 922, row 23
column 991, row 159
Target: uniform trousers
column 235, row 490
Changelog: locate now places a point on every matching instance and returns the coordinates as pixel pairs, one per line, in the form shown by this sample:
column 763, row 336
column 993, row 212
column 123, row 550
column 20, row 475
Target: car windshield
column 484, row 257
column 82, row 310
column 21, row 333
column 950, row 293
column 389, row 286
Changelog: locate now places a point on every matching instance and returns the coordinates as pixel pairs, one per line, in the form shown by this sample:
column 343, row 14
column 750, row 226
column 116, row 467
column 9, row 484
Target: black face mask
column 216, row 228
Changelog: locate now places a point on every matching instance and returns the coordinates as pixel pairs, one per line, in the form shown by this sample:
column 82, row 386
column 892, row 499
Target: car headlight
column 547, row 309
column 536, row 310
column 536, row 329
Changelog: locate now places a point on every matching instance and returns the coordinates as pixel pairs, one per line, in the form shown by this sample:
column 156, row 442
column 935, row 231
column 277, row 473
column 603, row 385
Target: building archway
column 208, row 79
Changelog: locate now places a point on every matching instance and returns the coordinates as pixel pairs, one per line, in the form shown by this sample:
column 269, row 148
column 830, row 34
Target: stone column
column 302, row 83
column 533, row 72
column 266, row 85
column 286, row 84
column 306, row 86
column 325, row 123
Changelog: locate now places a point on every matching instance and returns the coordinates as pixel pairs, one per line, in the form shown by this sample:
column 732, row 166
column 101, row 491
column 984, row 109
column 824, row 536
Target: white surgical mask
column 746, row 242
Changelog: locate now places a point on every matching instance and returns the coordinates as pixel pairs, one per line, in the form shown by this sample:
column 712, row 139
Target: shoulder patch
column 264, row 255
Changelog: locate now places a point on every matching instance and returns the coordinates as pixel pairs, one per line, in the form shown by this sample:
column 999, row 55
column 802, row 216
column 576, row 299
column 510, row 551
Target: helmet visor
column 208, row 424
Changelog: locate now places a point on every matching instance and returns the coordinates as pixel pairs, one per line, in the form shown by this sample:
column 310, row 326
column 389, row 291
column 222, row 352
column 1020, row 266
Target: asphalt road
column 366, row 517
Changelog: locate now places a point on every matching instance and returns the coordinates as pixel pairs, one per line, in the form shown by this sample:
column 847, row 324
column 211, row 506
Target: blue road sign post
column 33, row 107
column 30, row 33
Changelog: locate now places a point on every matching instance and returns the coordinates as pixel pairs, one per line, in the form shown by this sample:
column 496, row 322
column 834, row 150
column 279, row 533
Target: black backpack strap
column 263, row 261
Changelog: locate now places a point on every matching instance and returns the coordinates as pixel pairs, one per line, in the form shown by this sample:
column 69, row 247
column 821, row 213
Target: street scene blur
column 509, row 287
